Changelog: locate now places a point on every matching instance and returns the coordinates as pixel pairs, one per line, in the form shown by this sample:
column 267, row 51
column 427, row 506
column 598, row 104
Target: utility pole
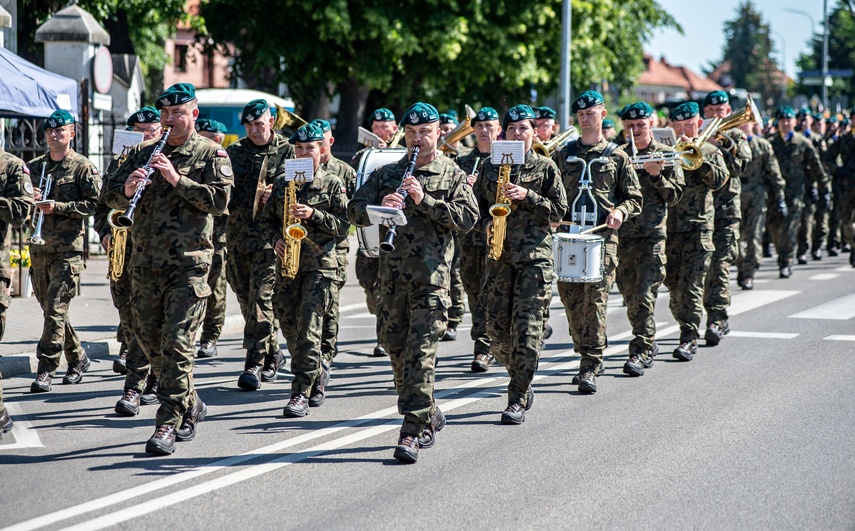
column 564, row 86
column 825, row 55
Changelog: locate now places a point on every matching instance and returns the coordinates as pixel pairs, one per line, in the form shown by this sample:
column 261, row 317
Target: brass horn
column 694, row 158
column 463, row 129
column 286, row 118
column 551, row 146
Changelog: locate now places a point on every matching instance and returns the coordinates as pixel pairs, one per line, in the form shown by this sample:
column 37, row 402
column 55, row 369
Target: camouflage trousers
column 847, row 216
column 516, row 298
column 640, row 272
column 56, row 277
column 411, row 319
column 252, row 277
column 300, row 305
column 329, row 337
column 168, row 306
column 834, row 237
column 215, row 309
column 472, row 263
column 717, row 282
column 689, row 255
column 751, row 231
column 585, row 308
column 5, row 300
column 120, row 291
column 368, row 275
column 140, row 366
column 813, row 228
column 785, row 230
column 456, row 291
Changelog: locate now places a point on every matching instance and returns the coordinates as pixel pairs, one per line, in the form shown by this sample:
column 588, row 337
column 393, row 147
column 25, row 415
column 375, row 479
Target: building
column 189, row 63
column 661, row 82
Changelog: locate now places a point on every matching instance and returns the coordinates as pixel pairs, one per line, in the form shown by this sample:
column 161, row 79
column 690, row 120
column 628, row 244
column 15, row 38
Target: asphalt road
column 756, row 433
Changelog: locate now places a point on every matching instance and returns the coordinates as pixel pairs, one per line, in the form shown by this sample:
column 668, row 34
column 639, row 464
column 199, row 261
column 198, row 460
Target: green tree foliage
column 841, row 53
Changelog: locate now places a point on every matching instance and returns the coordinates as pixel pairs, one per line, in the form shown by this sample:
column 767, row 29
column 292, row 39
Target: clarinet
column 126, row 220
column 388, row 245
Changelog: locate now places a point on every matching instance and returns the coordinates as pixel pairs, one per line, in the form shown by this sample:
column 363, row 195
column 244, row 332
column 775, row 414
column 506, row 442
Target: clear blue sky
column 703, row 27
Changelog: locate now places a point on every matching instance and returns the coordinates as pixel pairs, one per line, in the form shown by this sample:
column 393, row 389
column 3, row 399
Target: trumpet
column 670, row 158
column 553, row 145
column 293, row 231
column 45, row 184
column 126, row 218
column 694, row 159
column 116, row 246
column 286, row 118
column 500, row 211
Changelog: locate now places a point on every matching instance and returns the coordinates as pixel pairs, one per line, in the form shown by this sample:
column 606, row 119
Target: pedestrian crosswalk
column 841, row 309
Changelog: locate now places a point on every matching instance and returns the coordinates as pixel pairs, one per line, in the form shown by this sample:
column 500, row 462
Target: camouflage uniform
column 689, row 246
column 56, row 265
column 762, row 176
column 802, row 170
column 16, row 199
column 833, row 143
column 518, row 287
column 641, row 248
column 615, row 186
column 726, row 202
column 367, row 268
column 415, row 277
column 845, row 176
column 251, row 263
column 302, row 304
column 215, row 309
column 171, row 257
column 813, row 228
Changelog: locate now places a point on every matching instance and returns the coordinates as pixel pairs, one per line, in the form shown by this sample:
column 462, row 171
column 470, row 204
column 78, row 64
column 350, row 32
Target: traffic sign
column 816, row 81
column 831, row 73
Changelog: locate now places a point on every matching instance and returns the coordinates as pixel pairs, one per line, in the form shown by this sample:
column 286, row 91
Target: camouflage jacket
column 800, row 165
column 466, row 163
column 102, row 227
column 821, row 147
column 614, row 184
column 658, row 194
column 244, row 233
column 528, row 233
column 16, row 199
column 347, row 176
column 694, row 212
column 326, row 194
column 173, row 226
column 763, row 173
column 76, row 186
column 424, row 247
column 727, row 199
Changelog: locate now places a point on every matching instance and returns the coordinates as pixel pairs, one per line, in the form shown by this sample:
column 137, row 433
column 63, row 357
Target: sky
column 703, row 30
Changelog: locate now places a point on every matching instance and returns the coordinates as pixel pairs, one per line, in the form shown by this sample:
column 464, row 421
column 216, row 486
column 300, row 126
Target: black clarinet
column 126, row 220
column 388, row 245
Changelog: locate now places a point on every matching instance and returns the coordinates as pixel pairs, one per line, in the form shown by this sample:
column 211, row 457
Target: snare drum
column 578, row 257
column 369, row 237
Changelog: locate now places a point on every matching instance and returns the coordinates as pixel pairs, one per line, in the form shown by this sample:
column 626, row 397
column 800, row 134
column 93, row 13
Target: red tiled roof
column 664, row 74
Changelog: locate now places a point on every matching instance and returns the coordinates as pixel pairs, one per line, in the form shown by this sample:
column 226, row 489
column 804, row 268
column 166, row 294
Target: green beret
column 146, row 115
column 684, row 111
column 382, row 115
column 128, row 128
column 446, row 118
column 636, row 111
column 608, row 124
column 323, row 124
column 517, row 113
column 785, row 111
column 802, row 113
column 587, row 99
column 211, row 126
column 253, row 111
column 177, row 94
column 453, row 113
column 818, row 117
column 716, row 97
column 421, row 113
column 307, row 133
column 58, row 119
column 545, row 112
column 486, row 114
column 832, row 119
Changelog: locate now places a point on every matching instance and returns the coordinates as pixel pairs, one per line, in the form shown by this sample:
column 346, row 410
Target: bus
column 226, row 105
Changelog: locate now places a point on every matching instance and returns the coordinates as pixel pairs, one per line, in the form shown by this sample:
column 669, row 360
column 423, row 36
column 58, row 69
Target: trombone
column 716, row 128
column 551, row 146
column 463, row 129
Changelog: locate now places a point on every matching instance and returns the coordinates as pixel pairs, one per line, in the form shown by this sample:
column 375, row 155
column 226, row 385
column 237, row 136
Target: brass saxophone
column 499, row 211
column 118, row 241
column 293, row 232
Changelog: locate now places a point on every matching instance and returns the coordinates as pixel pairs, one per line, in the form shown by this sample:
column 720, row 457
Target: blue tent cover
column 29, row 91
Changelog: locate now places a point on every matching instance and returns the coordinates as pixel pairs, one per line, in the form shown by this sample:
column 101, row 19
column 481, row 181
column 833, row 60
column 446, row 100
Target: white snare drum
column 578, row 257
column 369, row 237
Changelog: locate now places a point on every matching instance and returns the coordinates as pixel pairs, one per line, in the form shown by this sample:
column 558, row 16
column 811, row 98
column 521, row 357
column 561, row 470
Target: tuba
column 553, row 145
column 293, row 232
column 499, row 211
column 693, row 158
column 286, row 118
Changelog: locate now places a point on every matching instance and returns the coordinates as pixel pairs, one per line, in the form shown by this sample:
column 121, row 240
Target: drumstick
column 593, row 229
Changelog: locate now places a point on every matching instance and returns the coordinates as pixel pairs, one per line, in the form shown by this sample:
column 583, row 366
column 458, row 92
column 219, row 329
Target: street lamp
column 783, row 64
column 824, row 43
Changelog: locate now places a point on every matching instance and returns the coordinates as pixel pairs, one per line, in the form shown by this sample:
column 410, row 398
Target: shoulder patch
column 343, row 189
column 222, row 153
column 226, row 170
column 28, row 187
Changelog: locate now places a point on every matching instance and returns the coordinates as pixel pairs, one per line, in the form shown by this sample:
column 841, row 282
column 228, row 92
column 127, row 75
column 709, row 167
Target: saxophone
column 500, row 210
column 118, row 241
column 293, row 232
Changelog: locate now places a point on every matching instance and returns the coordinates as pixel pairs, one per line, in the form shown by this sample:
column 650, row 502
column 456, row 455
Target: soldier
column 761, row 177
column 215, row 309
column 382, row 124
column 415, row 276
column 618, row 196
column 726, row 221
column 845, row 176
column 833, row 141
column 57, row 264
column 690, row 233
column 641, row 248
column 347, row 176
column 518, row 284
column 609, row 131
column 302, row 301
column 16, row 198
column 172, row 228
column 802, row 171
column 257, row 159
column 813, row 228
column 447, row 123
column 545, row 117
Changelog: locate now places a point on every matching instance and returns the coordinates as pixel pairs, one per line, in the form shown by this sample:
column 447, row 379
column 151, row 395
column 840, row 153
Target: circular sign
column 102, row 70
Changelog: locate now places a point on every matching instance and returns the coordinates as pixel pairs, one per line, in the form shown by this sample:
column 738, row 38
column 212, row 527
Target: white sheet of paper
column 665, row 135
column 380, row 215
column 295, row 167
column 507, row 152
column 123, row 139
column 367, row 138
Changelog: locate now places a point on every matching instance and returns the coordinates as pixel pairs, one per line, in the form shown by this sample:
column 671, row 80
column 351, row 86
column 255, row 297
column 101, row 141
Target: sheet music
column 507, row 152
column 123, row 139
column 302, row 168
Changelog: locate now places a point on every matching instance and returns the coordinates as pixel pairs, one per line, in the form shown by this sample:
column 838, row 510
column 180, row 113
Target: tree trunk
column 316, row 107
column 354, row 97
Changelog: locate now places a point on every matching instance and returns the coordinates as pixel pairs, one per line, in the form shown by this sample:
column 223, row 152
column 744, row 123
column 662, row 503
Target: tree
column 841, row 53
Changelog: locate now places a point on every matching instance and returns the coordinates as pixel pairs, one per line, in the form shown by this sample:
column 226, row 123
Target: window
column 180, row 58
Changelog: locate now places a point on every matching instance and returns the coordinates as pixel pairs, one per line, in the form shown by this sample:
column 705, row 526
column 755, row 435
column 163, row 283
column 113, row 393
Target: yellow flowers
column 20, row 258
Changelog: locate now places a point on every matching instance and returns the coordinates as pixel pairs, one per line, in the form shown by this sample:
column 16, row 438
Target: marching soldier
column 618, row 196
column 609, row 131
column 447, row 123
column 641, row 248
column 16, row 199
column 415, row 276
column 57, row 264
column 813, row 228
column 302, row 302
column 690, row 244
column 382, row 124
column 545, row 117
column 172, row 229
column 518, row 285
column 845, row 176
column 256, row 159
column 833, row 141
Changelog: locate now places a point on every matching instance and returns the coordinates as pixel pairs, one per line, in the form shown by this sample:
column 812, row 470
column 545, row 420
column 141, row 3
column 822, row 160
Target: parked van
column 226, row 105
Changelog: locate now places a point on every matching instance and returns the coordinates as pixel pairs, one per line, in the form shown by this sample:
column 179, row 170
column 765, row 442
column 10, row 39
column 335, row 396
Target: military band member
column 16, row 199
column 690, row 245
column 518, row 286
column 56, row 265
column 256, row 159
column 301, row 303
column 641, row 249
column 172, row 229
column 845, row 178
column 383, row 124
column 813, row 228
column 609, row 131
column 547, row 127
column 833, row 141
column 618, row 195
column 415, row 276
column 447, row 123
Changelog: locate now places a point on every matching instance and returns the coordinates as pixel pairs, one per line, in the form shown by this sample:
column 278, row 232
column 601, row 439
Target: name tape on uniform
column 507, row 152
column 125, row 139
column 300, row 169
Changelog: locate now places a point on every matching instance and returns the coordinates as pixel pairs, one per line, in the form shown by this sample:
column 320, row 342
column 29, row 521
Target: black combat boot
column 149, row 394
column 379, row 351
column 588, row 379
column 686, row 351
column 162, row 442
column 250, row 380
column 428, row 436
column 272, row 364
column 193, row 416
column 297, row 407
column 120, row 364
column 482, row 362
column 207, row 349
column 76, row 370
column 407, row 450
column 129, row 404
column 42, row 383
column 317, row 396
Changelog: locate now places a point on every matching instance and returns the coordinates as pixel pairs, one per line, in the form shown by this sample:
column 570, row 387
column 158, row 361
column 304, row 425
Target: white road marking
column 762, row 335
column 824, row 276
column 751, row 300
column 848, row 269
column 364, row 315
column 349, row 307
column 839, row 309
column 22, row 430
column 839, row 338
